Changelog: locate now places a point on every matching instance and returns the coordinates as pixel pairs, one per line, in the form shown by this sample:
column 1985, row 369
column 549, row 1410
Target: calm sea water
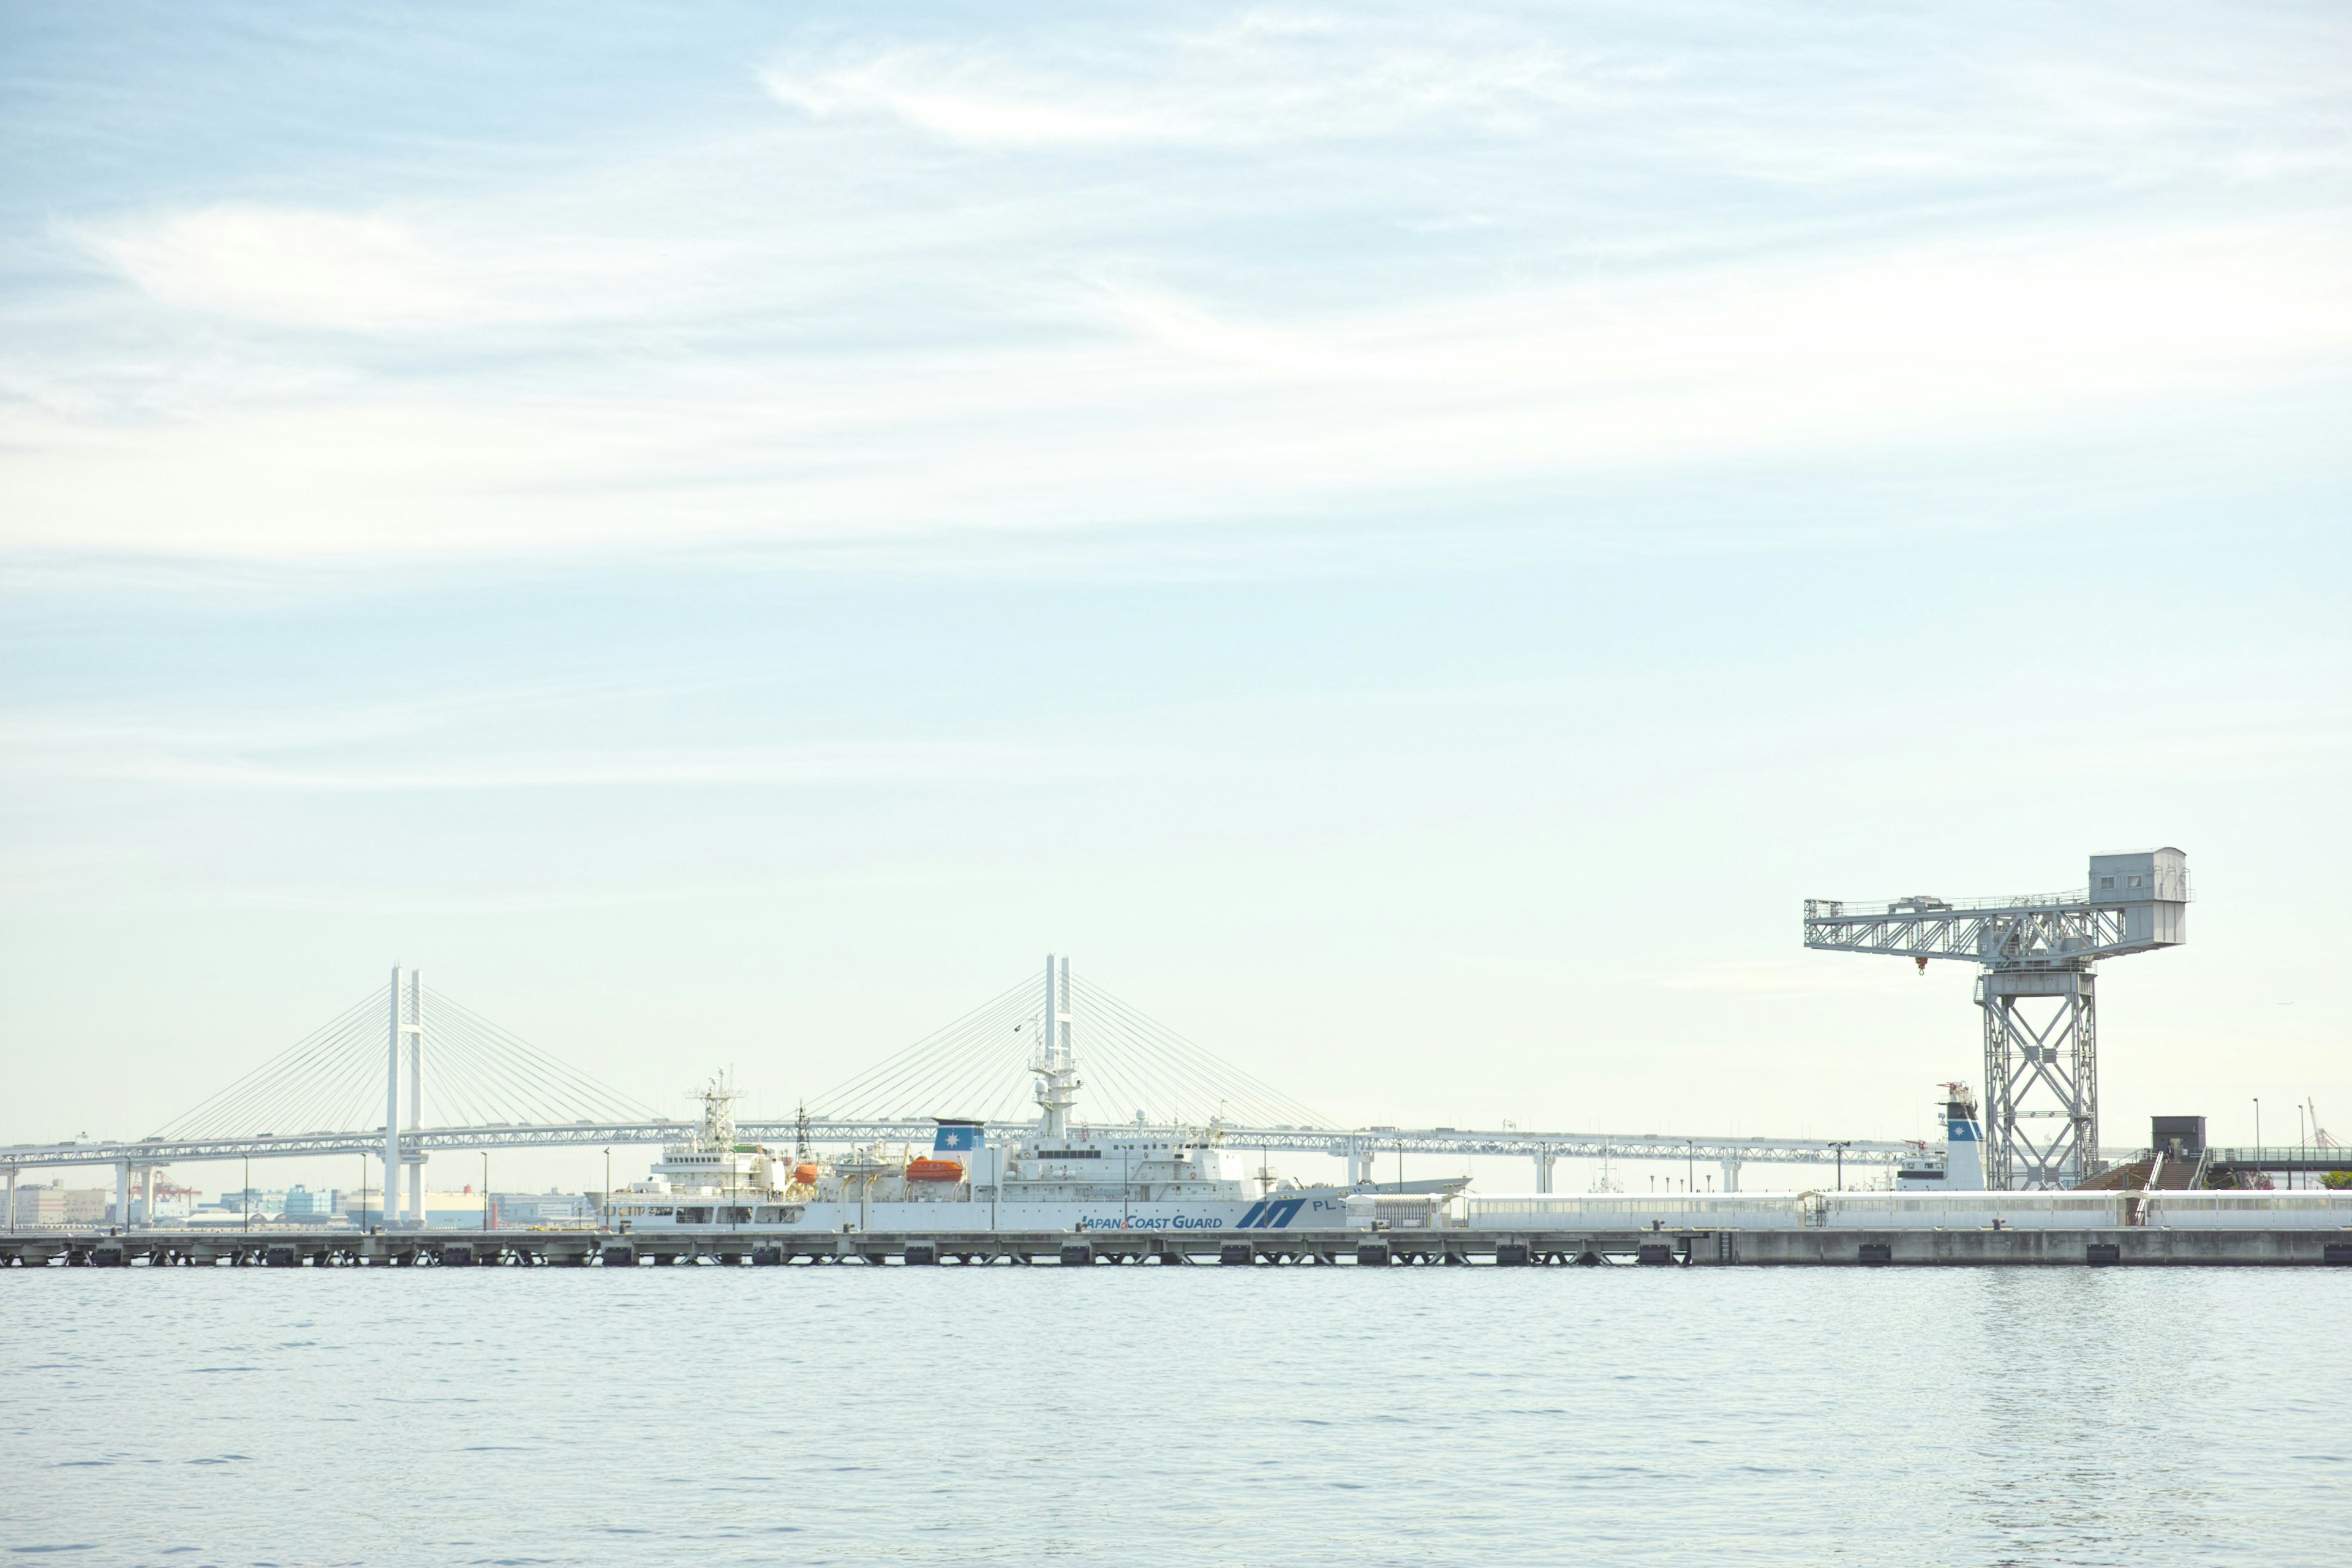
column 1176, row 1417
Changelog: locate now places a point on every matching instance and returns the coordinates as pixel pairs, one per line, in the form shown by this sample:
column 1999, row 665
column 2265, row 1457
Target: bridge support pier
column 1544, row 1158
column 8, row 1220
column 1732, row 1175
column 122, row 1193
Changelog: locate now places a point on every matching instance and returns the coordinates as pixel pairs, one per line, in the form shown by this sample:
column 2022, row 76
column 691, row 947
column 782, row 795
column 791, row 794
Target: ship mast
column 1056, row 1063
column 719, row 1114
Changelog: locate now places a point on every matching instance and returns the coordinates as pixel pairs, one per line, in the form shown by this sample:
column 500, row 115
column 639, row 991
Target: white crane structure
column 2037, row 958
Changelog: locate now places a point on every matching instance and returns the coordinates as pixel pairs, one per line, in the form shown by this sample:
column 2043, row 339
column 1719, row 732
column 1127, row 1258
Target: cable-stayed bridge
column 405, row 1072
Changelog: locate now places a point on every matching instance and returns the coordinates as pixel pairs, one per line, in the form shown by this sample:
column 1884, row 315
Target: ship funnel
column 959, row 1150
column 1963, row 1142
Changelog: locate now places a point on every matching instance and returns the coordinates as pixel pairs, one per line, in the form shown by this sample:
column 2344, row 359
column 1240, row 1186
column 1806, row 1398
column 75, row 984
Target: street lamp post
column 1841, row 1149
column 485, row 1190
column 608, row 1189
column 1690, row 1162
column 248, row 1195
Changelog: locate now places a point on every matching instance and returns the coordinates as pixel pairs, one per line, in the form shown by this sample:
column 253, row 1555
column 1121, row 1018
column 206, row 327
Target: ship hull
column 1308, row 1209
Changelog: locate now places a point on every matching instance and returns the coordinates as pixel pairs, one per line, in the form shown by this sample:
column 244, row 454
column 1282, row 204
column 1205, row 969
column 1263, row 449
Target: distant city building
column 454, row 1211
column 463, row 1210
column 543, row 1208
column 261, row 1203
column 55, row 1204
column 301, row 1202
column 364, row 1209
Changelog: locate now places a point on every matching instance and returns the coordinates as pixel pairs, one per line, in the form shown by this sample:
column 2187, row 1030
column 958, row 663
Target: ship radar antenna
column 718, row 1112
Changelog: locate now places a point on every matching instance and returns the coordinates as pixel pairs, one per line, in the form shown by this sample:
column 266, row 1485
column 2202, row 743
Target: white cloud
column 1167, row 409
column 1264, row 79
column 353, row 751
column 274, row 263
column 374, row 273
column 781, row 332
column 818, row 766
column 961, row 107
column 1188, row 329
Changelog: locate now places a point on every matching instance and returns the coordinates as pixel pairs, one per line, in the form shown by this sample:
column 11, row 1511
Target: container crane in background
column 2037, row 959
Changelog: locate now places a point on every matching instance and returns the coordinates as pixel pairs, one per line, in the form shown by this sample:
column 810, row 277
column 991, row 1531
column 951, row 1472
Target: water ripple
column 1264, row 1417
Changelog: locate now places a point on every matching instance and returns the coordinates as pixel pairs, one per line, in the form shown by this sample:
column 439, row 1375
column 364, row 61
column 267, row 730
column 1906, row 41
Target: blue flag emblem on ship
column 956, row 1138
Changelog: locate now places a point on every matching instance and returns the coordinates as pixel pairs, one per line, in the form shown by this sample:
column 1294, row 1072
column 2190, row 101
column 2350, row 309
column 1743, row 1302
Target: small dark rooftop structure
column 2176, row 1135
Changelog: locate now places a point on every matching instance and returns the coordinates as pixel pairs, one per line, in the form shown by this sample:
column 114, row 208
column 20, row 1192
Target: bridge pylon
column 405, row 1045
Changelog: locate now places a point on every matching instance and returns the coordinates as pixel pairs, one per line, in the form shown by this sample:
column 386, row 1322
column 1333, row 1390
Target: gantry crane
column 2036, row 957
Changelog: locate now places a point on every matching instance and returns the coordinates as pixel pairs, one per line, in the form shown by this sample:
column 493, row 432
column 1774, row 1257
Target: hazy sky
column 1406, row 539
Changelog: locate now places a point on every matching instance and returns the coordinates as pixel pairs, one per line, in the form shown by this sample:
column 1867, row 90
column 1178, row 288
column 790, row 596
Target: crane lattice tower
column 2037, row 984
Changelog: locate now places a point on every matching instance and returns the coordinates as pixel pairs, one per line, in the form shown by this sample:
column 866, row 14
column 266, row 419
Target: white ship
column 1052, row 1175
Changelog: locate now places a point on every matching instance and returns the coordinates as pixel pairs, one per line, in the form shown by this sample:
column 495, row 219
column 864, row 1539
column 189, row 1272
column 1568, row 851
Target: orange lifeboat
column 935, row 1170
column 806, row 1174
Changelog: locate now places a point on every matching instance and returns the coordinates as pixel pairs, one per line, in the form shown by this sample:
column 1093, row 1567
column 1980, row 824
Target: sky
column 1405, row 540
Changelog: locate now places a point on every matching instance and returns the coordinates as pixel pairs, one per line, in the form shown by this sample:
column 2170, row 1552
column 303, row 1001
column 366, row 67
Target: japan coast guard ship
column 1051, row 1178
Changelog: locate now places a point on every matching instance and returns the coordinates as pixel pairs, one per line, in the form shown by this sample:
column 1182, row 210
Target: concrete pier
column 287, row 1247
